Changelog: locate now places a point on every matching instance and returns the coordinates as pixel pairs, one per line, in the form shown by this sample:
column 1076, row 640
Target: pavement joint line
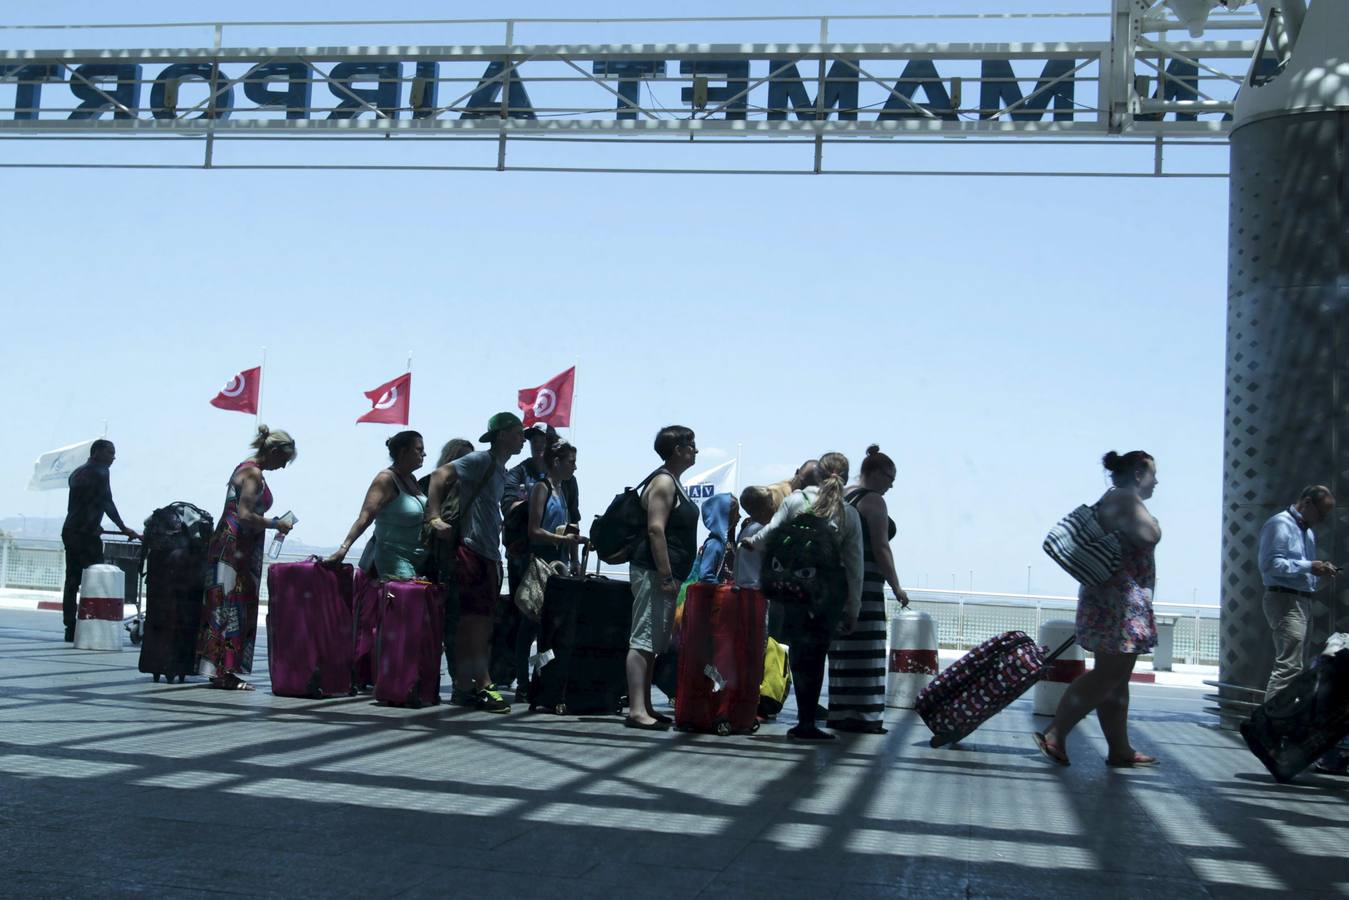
column 858, row 794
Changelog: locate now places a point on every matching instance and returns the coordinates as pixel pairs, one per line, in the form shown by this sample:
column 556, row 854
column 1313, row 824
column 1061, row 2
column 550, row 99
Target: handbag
column 1082, row 548
column 529, row 595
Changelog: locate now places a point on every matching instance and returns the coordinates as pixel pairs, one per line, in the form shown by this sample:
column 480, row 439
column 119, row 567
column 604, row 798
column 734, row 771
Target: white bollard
column 1062, row 671
column 98, row 622
column 913, row 657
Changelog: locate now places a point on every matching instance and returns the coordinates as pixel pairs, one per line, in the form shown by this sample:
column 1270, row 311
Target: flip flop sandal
column 1137, row 761
column 1052, row 752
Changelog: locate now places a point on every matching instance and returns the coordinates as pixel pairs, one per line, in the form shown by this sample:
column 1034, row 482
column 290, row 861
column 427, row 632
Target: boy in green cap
column 481, row 480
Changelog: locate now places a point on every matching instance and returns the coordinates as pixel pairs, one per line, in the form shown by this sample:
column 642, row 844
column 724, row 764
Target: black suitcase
column 1296, row 726
column 583, row 646
column 177, row 539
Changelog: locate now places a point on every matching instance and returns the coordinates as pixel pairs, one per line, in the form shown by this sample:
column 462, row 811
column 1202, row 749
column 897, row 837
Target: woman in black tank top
column 661, row 560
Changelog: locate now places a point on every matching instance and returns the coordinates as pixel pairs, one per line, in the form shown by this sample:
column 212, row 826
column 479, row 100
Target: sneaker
column 484, row 700
column 1333, row 764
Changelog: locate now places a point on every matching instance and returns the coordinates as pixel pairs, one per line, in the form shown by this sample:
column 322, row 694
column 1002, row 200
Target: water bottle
column 274, row 549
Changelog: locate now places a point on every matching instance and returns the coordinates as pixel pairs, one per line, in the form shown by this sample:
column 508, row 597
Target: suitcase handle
column 1061, row 649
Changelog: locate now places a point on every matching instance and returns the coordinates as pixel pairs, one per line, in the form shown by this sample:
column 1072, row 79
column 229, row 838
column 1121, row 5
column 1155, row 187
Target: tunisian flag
column 391, row 400
column 550, row 402
column 240, row 393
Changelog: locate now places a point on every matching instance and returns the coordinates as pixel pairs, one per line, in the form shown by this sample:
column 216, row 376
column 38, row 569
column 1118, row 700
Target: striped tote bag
column 1080, row 546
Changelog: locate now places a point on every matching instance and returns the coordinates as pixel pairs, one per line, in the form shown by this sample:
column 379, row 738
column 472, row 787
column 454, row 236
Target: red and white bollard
column 1062, row 671
column 98, row 621
column 913, row 657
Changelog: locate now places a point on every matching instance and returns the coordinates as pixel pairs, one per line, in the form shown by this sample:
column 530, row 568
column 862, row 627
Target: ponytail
column 833, row 476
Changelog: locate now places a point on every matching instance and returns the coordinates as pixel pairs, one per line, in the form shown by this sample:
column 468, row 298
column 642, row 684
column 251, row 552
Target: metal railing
column 964, row 618
column 967, row 618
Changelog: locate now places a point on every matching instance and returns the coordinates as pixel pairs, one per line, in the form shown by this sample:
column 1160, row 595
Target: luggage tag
column 540, row 660
column 718, row 683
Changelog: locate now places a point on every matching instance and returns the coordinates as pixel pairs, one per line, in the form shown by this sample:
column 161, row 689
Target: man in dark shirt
column 82, row 534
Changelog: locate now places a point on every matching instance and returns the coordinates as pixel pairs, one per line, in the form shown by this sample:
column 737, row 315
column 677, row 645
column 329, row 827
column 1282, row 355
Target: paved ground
column 111, row 785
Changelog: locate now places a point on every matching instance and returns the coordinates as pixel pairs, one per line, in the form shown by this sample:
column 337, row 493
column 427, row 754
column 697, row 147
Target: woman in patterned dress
column 857, row 662
column 1114, row 619
column 230, row 621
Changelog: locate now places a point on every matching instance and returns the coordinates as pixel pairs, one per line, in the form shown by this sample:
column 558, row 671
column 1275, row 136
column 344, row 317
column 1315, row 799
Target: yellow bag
column 777, row 679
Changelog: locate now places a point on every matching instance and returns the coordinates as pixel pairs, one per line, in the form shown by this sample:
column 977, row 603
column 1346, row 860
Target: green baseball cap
column 500, row 422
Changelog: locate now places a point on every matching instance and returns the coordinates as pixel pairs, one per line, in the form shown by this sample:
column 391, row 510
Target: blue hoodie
column 717, row 518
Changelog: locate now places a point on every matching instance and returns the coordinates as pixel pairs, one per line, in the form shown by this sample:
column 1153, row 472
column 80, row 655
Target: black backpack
column 614, row 535
column 803, row 564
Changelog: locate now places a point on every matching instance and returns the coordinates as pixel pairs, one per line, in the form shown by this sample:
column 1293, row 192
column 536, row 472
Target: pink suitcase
column 982, row 683
column 309, row 647
column 368, row 603
column 407, row 665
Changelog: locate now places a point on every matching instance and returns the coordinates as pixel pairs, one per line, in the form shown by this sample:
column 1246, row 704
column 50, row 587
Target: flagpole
column 571, row 422
column 257, row 413
column 738, row 448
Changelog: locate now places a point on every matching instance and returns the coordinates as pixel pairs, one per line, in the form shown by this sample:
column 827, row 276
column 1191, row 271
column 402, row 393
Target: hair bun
column 263, row 431
column 388, row 442
column 873, row 449
column 1111, row 461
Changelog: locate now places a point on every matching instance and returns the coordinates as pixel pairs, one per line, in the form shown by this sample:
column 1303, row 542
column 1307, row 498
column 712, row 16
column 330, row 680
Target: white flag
column 52, row 470
column 720, row 479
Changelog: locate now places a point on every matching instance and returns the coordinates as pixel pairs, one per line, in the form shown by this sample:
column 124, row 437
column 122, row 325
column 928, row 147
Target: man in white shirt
column 1291, row 574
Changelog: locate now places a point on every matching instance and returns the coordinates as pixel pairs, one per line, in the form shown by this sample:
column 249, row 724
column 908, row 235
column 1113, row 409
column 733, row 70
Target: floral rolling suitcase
column 982, row 683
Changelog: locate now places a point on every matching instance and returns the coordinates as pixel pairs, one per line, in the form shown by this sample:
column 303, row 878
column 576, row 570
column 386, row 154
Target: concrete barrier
column 1062, row 671
column 913, row 657
column 98, row 622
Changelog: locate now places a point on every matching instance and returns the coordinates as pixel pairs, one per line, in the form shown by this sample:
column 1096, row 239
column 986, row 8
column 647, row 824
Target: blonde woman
column 230, row 621
column 835, row 590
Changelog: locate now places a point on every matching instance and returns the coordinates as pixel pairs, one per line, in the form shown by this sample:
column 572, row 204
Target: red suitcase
column 982, row 683
column 367, row 596
column 721, row 657
column 309, row 651
column 407, row 661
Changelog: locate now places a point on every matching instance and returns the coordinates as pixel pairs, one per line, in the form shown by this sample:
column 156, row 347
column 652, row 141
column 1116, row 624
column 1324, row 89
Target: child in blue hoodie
column 720, row 515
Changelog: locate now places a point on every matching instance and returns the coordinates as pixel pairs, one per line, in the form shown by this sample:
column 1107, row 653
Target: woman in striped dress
column 857, row 660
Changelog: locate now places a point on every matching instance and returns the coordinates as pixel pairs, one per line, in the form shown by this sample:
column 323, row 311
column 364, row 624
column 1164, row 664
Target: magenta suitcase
column 309, row 647
column 407, row 660
column 982, row 683
column 367, row 605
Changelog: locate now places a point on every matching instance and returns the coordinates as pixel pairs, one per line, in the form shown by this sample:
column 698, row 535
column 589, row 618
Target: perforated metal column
column 1287, row 422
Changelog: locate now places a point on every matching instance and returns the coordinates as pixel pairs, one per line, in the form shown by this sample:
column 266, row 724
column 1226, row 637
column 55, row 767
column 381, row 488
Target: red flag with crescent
column 240, row 393
column 550, row 402
column 392, row 402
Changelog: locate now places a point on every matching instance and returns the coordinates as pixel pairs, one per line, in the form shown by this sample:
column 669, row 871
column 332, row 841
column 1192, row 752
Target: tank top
column 399, row 550
column 681, row 536
column 554, row 517
column 852, row 500
column 230, row 517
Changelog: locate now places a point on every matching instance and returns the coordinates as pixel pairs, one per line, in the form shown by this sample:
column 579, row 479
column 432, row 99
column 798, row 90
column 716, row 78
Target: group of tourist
column 451, row 525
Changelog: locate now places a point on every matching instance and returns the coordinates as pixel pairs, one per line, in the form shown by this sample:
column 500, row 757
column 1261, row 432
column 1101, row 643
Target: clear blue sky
column 995, row 336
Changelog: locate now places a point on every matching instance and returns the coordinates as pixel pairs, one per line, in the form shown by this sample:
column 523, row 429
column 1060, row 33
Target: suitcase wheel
column 560, row 709
column 723, row 727
column 156, row 678
column 182, row 679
